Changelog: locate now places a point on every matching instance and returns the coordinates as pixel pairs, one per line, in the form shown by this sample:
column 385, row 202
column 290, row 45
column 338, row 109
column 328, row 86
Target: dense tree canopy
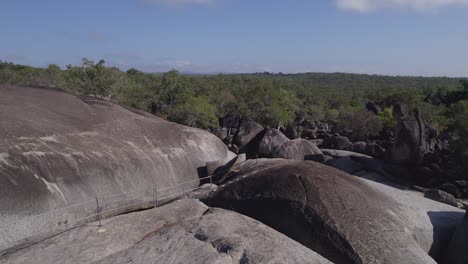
column 270, row 99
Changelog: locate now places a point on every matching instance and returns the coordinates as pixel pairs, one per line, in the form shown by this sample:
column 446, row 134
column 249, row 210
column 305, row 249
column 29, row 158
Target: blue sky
column 397, row 37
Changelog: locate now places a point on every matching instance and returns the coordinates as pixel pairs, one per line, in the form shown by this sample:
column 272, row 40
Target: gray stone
column 345, row 164
column 441, row 196
column 451, row 189
column 410, row 143
column 298, row 149
column 248, row 130
column 337, row 142
column 58, row 150
column 345, row 218
column 272, row 139
column 359, row 147
column 186, row 231
column 221, row 133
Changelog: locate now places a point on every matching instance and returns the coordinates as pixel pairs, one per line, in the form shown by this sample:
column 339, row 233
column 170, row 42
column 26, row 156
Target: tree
column 361, row 124
column 95, row 79
column 195, row 112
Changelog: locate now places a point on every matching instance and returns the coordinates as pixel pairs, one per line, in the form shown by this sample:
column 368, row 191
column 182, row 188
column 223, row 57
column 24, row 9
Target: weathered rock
column 399, row 110
column 411, row 143
column 345, row 218
column 345, row 164
column 221, row 133
column 441, row 196
column 375, row 150
column 373, row 107
column 451, row 189
column 58, row 150
column 202, row 192
column 234, row 148
column 337, row 142
column 343, row 153
column 457, row 252
column 298, row 149
column 359, row 147
column 186, row 231
column 248, row 130
column 272, row 139
column 372, row 149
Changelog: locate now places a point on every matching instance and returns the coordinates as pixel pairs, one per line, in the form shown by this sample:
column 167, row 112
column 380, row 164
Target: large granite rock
column 342, row 217
column 410, row 143
column 272, row 139
column 337, row 142
column 298, row 149
column 247, row 131
column 58, row 150
column 441, row 196
column 186, row 231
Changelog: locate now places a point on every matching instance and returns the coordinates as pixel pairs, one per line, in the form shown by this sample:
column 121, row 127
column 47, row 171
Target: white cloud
column 424, row 5
column 179, row 3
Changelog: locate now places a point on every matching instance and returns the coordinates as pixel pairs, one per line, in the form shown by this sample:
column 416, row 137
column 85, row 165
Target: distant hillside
column 350, row 80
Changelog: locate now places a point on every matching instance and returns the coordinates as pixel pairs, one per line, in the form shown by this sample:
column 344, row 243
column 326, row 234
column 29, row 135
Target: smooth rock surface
column 186, row 231
column 248, row 130
column 298, row 149
column 342, row 217
column 272, row 139
column 58, row 150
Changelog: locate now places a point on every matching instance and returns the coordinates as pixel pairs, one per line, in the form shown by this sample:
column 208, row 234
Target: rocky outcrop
column 58, row 150
column 186, row 231
column 344, row 218
column 337, row 142
column 272, row 139
column 247, row 131
column 298, row 149
column 410, row 143
column 441, row 196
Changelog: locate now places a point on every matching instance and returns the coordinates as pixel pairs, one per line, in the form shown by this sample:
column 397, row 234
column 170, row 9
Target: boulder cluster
column 414, row 153
column 319, row 198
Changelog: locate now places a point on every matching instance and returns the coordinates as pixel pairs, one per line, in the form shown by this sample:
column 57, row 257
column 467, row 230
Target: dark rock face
column 248, row 130
column 411, row 143
column 57, row 150
column 344, row 218
column 373, row 107
column 441, row 196
column 272, row 139
column 451, row 189
column 337, row 142
column 457, row 252
column 298, row 149
column 230, row 121
column 372, row 149
column 359, row 147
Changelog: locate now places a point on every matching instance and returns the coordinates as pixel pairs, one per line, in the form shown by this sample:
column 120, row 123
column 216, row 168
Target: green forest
column 270, row 99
